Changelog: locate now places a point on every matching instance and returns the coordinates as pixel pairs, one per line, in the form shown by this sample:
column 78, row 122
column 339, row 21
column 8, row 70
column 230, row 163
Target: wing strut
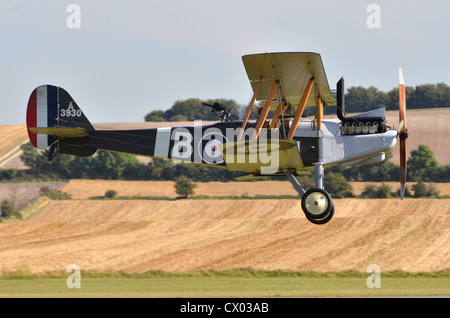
column 249, row 108
column 265, row 110
column 319, row 113
column 280, row 109
column 300, row 108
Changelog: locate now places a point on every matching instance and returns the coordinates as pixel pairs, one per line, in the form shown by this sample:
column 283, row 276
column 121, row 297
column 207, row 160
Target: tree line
column 422, row 165
column 359, row 99
column 192, row 109
column 108, row 166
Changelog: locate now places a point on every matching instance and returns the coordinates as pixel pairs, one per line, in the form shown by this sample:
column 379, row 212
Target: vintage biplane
column 287, row 144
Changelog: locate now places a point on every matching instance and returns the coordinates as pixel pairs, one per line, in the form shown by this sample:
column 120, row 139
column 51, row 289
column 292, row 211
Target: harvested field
column 11, row 137
column 183, row 235
column 425, row 127
column 84, row 189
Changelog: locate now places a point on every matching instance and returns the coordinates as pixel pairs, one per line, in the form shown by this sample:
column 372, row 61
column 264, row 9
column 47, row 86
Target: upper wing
column 293, row 71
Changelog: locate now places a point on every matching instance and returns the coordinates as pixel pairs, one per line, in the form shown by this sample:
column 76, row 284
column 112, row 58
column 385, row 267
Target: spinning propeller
column 402, row 131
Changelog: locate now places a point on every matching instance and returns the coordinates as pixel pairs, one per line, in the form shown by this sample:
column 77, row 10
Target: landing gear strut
column 316, row 203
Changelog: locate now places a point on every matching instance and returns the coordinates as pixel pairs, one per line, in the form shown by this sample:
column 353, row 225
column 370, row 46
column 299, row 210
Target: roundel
column 208, row 148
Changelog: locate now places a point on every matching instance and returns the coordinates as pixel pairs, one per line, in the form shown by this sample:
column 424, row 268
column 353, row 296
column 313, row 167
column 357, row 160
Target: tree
column 8, row 210
column 111, row 165
column 424, row 96
column 357, row 100
column 192, row 109
column 29, row 155
column 422, row 164
column 156, row 115
column 110, row 194
column 444, row 174
column 369, row 192
column 184, row 186
column 384, row 191
column 337, row 185
column 422, row 190
column 443, row 95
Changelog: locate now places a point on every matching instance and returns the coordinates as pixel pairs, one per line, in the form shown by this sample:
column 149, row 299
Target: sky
column 120, row 60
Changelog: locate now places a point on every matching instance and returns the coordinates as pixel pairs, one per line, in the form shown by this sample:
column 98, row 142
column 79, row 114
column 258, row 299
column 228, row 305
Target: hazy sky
column 128, row 58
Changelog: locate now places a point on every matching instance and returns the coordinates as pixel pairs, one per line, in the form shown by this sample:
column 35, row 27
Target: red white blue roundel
column 208, row 147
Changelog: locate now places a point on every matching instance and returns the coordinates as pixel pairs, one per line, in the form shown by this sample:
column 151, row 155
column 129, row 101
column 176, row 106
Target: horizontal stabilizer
column 60, row 132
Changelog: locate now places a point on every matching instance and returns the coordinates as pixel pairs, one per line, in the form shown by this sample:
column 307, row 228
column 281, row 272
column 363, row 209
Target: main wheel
column 316, row 204
column 323, row 220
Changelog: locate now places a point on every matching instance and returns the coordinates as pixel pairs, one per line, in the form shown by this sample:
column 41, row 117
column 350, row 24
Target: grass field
column 227, row 286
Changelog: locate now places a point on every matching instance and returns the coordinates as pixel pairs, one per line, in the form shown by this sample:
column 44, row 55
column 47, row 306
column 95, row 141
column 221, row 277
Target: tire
column 316, row 204
column 323, row 220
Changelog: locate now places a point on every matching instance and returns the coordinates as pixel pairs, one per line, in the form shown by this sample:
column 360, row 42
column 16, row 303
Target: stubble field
column 185, row 235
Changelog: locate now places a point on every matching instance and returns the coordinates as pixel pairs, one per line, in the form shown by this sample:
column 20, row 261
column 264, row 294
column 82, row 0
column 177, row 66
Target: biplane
column 282, row 142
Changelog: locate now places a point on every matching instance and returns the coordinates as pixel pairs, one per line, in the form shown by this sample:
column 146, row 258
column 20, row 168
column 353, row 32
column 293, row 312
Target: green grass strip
column 231, row 273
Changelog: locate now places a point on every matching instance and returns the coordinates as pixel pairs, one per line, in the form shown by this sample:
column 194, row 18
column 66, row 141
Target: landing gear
column 322, row 219
column 316, row 203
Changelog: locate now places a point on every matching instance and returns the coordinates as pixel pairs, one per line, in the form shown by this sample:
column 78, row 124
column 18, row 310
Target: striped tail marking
column 42, row 112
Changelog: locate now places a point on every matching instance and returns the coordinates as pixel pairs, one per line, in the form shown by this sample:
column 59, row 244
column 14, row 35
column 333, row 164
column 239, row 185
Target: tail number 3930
column 70, row 111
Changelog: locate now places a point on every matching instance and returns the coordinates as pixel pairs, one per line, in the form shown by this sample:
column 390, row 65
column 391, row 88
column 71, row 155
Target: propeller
column 402, row 131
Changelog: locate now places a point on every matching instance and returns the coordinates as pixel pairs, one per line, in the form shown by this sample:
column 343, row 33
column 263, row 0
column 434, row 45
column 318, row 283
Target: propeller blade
column 402, row 167
column 403, row 132
column 401, row 99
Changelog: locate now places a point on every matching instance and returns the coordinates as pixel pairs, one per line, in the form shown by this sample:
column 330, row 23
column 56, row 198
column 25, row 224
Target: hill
column 183, row 235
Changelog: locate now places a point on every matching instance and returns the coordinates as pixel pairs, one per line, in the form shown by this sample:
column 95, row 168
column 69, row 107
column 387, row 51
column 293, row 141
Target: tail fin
column 52, row 113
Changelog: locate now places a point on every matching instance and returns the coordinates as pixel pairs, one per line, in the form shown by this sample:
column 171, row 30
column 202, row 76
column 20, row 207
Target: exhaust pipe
column 340, row 108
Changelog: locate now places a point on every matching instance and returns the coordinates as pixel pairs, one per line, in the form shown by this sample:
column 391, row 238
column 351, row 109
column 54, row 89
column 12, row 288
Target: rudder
column 52, row 107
